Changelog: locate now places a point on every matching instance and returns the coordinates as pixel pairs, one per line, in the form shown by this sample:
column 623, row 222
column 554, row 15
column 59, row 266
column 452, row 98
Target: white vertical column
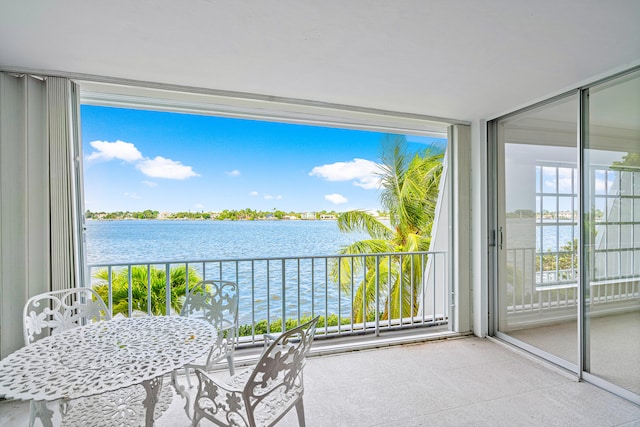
column 460, row 155
column 479, row 250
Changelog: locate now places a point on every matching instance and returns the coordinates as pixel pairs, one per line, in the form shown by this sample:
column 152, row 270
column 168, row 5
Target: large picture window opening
column 263, row 202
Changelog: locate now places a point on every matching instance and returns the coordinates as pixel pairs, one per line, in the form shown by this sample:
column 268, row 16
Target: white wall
column 452, row 233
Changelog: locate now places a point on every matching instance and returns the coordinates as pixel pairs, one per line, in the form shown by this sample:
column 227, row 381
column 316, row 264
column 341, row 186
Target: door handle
column 500, row 238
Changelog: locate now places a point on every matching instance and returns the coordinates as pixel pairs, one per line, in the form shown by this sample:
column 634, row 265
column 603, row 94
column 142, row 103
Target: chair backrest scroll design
column 54, row 312
column 279, row 369
column 215, row 301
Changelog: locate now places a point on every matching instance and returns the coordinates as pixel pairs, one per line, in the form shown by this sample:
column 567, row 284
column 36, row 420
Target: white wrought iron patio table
column 106, row 356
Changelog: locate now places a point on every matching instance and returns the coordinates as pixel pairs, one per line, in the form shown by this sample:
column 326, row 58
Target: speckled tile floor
column 466, row 381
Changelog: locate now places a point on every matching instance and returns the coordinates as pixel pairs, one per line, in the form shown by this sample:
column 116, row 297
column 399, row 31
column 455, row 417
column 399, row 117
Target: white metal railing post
column 257, row 282
column 377, row 296
column 130, row 290
column 168, row 289
column 268, row 298
column 326, row 295
column 283, row 297
column 148, row 288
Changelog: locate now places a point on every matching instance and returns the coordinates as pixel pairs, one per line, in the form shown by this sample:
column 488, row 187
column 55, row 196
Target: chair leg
column 230, row 362
column 300, row 412
column 38, row 408
column 196, row 417
column 32, row 413
column 186, row 373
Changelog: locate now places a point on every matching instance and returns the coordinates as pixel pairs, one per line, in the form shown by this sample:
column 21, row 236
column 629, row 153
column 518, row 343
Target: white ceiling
column 459, row 59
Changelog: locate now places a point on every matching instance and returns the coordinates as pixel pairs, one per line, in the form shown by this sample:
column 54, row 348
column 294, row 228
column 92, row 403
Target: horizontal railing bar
column 126, row 264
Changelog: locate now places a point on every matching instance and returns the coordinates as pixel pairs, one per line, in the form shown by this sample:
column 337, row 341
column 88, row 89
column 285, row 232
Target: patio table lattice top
column 103, row 356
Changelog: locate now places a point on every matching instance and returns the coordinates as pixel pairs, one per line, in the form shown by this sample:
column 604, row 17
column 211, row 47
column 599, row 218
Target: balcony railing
column 530, row 290
column 276, row 292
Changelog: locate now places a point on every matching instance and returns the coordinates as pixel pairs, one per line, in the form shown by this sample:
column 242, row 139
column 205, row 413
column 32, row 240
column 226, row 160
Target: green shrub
column 276, row 325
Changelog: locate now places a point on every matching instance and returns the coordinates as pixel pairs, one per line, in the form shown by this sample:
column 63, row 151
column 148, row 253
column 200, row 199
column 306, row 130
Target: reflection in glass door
column 612, row 232
column 567, row 232
column 538, row 231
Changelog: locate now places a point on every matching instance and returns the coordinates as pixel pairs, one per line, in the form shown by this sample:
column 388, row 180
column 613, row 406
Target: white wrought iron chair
column 262, row 395
column 215, row 301
column 54, row 312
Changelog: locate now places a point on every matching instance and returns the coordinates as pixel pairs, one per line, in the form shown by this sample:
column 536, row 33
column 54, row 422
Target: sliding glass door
column 538, row 229
column 567, row 232
column 612, row 232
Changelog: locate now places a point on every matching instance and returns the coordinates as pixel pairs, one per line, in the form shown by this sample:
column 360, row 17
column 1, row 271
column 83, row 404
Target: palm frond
column 371, row 246
column 409, row 192
column 343, row 270
column 355, row 221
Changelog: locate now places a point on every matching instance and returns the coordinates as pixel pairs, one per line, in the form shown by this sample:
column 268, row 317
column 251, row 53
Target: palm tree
column 139, row 282
column 409, row 187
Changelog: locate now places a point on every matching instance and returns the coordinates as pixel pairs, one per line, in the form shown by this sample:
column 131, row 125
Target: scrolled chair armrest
column 216, row 400
column 228, row 329
column 206, row 381
column 270, row 338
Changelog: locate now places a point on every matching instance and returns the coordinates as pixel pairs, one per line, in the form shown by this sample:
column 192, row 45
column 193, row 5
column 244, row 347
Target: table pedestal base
column 152, row 387
column 38, row 409
column 180, row 389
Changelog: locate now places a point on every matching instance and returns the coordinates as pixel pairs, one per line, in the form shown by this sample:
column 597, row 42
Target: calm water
column 159, row 241
column 149, row 240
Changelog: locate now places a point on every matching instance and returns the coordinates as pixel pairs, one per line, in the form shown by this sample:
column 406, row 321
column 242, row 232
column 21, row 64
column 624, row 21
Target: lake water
column 151, row 241
column 155, row 240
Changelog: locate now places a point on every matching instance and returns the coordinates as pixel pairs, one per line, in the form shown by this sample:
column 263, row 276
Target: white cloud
column 155, row 168
column 165, row 168
column 132, row 196
column 368, row 182
column 234, row 172
column 253, row 193
column 362, row 172
column 150, row 184
column 565, row 180
column 114, row 150
column 603, row 183
column 199, row 206
column 336, row 199
column 270, row 197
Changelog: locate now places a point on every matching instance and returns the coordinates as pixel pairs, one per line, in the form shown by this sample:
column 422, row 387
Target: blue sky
column 170, row 162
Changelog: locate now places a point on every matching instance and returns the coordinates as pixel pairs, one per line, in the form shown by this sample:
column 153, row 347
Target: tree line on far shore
column 233, row 215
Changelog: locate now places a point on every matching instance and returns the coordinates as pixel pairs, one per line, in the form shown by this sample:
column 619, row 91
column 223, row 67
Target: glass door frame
column 495, row 183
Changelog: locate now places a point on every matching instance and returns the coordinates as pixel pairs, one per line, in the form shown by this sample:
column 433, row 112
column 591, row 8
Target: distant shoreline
column 211, row 219
column 225, row 215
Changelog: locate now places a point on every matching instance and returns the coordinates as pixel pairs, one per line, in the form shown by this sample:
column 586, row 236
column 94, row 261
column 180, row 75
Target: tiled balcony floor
column 463, row 381
column 614, row 345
